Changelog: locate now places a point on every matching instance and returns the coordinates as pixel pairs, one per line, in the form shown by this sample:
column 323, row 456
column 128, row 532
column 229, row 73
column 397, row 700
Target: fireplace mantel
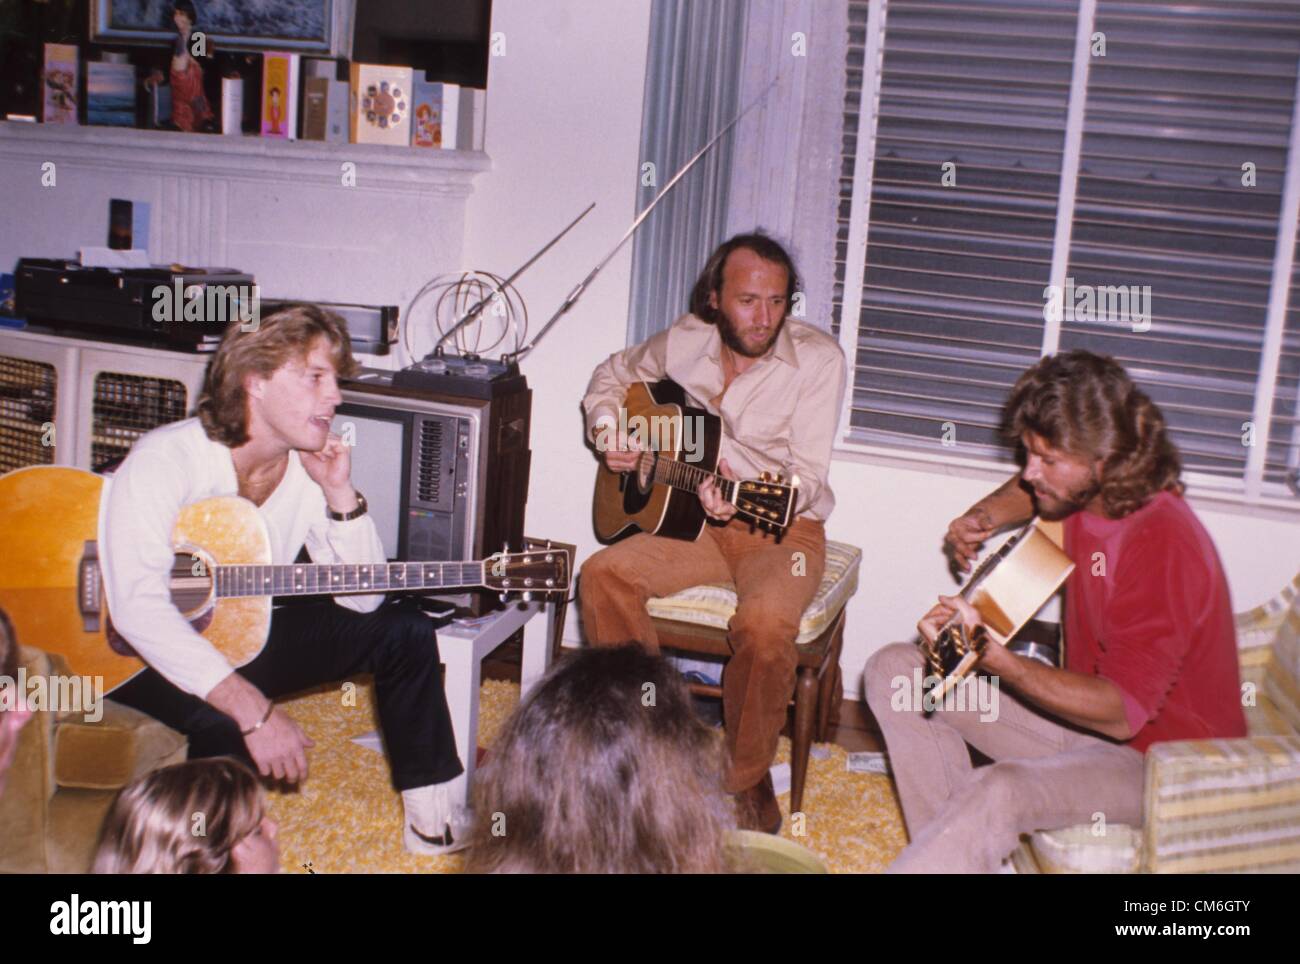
column 339, row 222
column 377, row 166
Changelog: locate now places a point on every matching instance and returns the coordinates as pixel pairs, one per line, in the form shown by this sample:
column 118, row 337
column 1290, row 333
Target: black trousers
column 321, row 642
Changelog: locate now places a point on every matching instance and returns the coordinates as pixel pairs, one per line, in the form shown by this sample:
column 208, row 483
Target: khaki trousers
column 963, row 819
column 774, row 583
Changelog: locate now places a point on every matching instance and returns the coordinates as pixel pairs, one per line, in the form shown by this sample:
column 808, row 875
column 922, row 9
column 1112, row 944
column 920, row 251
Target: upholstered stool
column 695, row 620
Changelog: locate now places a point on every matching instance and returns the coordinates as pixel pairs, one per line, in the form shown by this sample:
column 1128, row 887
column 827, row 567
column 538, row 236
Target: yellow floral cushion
column 714, row 605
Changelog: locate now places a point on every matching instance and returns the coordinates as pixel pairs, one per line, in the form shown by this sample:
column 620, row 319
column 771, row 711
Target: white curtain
column 777, row 171
column 786, row 159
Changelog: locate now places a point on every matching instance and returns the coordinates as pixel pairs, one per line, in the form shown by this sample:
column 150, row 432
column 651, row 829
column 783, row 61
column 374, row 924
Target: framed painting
column 321, row 27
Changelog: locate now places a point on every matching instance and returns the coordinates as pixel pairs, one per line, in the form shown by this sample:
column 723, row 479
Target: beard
column 731, row 337
column 1054, row 508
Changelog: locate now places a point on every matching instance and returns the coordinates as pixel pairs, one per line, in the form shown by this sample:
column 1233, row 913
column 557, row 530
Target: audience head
column 603, row 768
column 12, row 717
column 1088, row 433
column 200, row 817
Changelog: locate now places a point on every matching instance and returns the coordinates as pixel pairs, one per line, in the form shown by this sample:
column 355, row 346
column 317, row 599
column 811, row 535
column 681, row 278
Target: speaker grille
column 127, row 406
column 28, row 390
column 428, row 483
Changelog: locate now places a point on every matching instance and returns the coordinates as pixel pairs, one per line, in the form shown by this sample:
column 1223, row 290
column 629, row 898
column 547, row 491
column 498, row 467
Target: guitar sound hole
column 191, row 584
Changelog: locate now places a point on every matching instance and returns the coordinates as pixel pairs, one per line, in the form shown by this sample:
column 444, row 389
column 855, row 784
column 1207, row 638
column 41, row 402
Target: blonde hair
column 282, row 336
column 181, row 819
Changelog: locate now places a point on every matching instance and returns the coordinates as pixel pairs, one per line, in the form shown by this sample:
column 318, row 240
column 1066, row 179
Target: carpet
column 346, row 818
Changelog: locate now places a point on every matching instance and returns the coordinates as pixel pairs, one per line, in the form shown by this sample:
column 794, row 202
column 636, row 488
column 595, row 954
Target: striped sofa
column 1212, row 806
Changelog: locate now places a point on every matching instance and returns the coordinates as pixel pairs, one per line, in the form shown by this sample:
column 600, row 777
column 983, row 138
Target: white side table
column 463, row 649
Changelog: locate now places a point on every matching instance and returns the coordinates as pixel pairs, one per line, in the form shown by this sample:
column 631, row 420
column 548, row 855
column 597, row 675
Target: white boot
column 434, row 824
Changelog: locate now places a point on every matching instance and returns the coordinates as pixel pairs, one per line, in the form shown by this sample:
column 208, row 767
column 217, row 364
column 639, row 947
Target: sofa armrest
column 30, row 782
column 1223, row 805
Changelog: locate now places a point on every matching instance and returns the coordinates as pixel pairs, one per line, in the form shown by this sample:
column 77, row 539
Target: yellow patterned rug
column 347, row 818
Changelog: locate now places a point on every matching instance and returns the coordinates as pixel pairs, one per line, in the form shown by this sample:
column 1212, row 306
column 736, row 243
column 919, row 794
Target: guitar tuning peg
column 763, row 476
column 503, row 596
column 780, row 479
column 528, row 597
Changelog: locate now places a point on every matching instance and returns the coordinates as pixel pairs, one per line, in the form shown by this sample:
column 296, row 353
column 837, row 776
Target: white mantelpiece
column 338, row 222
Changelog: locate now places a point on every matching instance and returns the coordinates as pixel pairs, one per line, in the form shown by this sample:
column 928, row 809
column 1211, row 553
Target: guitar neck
column 314, row 579
column 687, row 477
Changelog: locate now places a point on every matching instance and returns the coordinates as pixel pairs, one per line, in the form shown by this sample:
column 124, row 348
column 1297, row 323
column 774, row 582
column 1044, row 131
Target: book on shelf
column 280, row 95
column 60, row 79
column 110, row 94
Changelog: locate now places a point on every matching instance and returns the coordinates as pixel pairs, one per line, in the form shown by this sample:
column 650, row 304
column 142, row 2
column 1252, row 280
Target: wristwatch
column 356, row 513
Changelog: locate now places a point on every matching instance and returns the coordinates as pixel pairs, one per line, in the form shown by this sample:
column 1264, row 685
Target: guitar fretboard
column 308, row 579
column 683, row 475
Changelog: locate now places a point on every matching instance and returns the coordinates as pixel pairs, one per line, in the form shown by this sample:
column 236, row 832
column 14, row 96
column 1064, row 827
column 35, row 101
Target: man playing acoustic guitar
column 1149, row 634
column 777, row 384
column 263, row 432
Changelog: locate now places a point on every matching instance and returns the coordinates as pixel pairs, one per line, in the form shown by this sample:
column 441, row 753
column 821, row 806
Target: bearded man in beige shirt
column 777, row 384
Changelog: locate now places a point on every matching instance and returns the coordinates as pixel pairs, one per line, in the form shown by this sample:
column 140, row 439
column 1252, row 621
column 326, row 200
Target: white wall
column 563, row 129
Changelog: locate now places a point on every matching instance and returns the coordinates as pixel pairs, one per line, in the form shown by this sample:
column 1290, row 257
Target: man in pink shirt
column 1149, row 634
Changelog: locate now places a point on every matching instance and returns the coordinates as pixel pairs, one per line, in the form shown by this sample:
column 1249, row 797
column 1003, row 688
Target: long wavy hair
column 603, row 768
column 181, row 819
column 284, row 335
column 1087, row 405
column 710, row 279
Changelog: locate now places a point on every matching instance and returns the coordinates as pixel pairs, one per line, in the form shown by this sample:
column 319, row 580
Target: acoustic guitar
column 1006, row 589
column 222, row 578
column 660, row 496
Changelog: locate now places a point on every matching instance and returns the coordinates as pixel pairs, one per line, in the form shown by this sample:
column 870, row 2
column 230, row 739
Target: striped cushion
column 1282, row 682
column 714, row 605
column 1258, row 626
column 1223, row 806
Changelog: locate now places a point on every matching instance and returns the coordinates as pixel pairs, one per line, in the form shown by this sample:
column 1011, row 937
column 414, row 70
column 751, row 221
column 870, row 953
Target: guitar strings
column 682, row 475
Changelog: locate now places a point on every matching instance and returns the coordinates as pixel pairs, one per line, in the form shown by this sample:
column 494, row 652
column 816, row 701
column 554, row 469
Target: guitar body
column 51, row 590
column 1007, row 590
column 49, row 517
column 627, row 502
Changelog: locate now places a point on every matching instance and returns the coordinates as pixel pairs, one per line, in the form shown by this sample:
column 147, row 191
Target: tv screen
column 377, row 470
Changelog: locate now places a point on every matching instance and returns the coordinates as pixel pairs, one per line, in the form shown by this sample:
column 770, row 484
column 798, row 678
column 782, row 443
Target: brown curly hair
column 285, row 334
column 592, row 775
column 1087, row 405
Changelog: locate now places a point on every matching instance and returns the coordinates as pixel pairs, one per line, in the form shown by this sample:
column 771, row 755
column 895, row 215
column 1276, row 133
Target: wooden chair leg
column 828, row 687
column 805, row 712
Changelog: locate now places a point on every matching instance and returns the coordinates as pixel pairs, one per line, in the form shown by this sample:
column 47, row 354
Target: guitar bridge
column 90, row 589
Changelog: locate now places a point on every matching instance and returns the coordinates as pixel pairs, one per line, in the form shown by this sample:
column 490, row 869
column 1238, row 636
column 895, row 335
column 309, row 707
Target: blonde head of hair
column 182, row 819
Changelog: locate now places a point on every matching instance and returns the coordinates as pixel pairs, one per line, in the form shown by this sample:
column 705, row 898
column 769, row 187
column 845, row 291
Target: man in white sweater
column 263, row 432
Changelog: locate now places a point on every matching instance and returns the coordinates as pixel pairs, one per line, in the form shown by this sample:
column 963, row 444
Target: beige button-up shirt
column 779, row 416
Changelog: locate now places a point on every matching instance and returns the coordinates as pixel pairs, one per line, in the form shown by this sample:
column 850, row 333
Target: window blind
column 1183, row 154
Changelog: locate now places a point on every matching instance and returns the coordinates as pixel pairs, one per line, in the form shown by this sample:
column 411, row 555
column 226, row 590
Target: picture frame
column 319, row 27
